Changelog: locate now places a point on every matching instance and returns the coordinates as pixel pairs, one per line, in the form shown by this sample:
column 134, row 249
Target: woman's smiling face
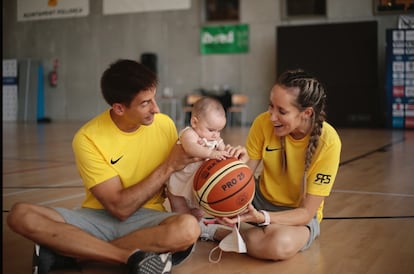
column 284, row 114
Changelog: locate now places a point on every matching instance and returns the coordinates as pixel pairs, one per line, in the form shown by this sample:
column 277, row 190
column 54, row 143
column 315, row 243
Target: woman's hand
column 238, row 152
column 249, row 215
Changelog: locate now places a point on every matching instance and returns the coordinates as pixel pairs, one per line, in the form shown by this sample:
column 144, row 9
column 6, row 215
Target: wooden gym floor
column 369, row 217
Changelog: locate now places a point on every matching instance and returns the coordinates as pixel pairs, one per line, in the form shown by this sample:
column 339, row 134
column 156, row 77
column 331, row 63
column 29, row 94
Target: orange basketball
column 223, row 188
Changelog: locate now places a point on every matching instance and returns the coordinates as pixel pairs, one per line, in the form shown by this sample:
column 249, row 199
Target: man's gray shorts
column 102, row 225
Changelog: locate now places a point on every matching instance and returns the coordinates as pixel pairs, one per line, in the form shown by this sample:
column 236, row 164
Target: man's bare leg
column 46, row 227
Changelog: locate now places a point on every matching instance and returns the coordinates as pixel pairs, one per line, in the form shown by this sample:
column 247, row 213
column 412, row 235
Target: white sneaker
column 208, row 229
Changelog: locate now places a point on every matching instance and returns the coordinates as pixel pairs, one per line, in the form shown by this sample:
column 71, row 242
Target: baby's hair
column 206, row 105
column 311, row 94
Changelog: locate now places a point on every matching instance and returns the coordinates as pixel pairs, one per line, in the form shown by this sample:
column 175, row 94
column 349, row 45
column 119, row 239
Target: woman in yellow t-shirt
column 300, row 155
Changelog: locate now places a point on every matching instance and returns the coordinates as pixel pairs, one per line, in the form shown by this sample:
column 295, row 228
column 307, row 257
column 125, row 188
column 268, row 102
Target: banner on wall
column 51, row 9
column 224, row 39
column 130, row 6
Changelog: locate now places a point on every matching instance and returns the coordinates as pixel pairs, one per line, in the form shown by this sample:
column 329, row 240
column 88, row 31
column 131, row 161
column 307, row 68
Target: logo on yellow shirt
column 113, row 162
column 272, row 149
column 322, row 179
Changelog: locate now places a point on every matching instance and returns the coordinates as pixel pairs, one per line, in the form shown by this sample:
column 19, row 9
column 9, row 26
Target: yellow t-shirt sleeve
column 322, row 174
column 255, row 139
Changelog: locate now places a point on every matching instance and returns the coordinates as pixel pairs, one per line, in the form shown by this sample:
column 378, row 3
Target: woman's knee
column 285, row 247
column 273, row 245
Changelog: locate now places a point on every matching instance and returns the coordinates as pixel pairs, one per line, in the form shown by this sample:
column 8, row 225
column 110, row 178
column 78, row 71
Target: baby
column 201, row 139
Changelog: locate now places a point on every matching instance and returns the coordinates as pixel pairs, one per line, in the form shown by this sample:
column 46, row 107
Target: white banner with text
column 131, row 6
column 51, row 9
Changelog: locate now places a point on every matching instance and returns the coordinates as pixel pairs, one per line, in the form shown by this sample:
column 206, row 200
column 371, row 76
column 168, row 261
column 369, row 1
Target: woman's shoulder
column 329, row 134
column 263, row 115
column 262, row 118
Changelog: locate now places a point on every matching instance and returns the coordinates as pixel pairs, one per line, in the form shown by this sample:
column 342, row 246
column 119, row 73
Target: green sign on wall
column 224, row 39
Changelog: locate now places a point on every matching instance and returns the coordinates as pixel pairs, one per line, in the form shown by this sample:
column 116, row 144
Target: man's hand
column 178, row 158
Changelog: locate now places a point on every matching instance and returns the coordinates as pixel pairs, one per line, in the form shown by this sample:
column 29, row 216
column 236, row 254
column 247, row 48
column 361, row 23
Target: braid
column 283, row 154
column 312, row 145
column 311, row 94
column 314, row 138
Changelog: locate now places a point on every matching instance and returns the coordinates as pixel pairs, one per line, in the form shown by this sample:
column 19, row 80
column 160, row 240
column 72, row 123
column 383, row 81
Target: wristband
column 267, row 218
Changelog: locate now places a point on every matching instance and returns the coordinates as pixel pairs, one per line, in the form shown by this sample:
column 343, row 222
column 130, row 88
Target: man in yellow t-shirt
column 125, row 156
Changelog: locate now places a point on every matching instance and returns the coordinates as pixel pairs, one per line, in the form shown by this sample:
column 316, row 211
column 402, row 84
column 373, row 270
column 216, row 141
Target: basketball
column 223, row 188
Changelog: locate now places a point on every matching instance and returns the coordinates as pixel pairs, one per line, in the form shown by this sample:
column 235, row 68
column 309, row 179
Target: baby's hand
column 219, row 155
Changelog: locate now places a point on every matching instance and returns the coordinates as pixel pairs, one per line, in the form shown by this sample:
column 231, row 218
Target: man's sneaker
column 181, row 256
column 142, row 262
column 45, row 260
column 208, row 229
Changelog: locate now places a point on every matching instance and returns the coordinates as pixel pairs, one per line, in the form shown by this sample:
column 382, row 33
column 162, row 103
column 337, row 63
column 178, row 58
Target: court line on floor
column 373, row 193
column 369, row 217
column 48, row 202
column 25, row 189
column 37, row 168
column 42, row 187
column 62, row 199
column 41, row 160
column 380, row 149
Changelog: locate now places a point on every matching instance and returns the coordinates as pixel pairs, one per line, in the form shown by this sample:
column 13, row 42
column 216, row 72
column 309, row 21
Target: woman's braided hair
column 311, row 94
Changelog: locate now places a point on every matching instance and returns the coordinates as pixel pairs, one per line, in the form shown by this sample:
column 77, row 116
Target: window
column 304, row 8
column 393, row 6
column 221, row 10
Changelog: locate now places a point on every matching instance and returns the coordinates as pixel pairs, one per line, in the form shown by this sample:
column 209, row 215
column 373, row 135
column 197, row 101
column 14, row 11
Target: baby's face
column 209, row 127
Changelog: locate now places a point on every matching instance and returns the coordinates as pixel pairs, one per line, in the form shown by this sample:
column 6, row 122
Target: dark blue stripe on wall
column 9, row 80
